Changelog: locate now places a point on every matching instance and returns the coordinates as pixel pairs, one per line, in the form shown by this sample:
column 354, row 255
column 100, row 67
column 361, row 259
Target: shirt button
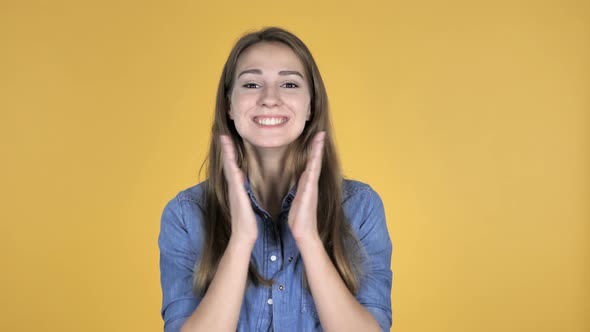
column 281, row 287
column 273, row 258
column 290, row 259
column 269, row 301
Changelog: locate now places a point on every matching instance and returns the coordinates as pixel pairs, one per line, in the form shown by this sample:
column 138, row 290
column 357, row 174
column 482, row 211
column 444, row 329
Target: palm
column 243, row 221
column 303, row 213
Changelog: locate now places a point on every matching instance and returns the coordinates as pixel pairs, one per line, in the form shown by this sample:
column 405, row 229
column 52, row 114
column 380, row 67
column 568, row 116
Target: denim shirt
column 287, row 305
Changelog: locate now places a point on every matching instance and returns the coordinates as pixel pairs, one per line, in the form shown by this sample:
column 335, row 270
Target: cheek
column 305, row 108
column 299, row 103
column 241, row 102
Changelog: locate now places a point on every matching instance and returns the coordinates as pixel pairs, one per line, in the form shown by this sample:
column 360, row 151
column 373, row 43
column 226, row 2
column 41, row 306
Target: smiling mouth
column 270, row 121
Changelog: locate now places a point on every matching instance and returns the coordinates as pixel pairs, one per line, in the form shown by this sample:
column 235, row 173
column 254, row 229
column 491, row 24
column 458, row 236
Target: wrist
column 241, row 244
column 311, row 240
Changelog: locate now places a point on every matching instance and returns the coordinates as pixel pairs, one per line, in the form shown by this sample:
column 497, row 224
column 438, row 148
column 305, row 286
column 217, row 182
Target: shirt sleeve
column 375, row 287
column 177, row 260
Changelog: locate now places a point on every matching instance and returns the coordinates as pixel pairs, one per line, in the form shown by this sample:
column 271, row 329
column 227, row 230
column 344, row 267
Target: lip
column 270, row 117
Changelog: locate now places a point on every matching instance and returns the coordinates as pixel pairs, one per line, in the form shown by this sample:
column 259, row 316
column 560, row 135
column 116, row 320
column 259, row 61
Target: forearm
column 219, row 309
column 337, row 307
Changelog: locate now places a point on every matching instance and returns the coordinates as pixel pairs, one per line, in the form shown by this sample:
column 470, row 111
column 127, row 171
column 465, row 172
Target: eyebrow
column 259, row 72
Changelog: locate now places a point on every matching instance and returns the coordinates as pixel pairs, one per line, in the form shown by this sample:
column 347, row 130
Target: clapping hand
column 243, row 221
column 303, row 213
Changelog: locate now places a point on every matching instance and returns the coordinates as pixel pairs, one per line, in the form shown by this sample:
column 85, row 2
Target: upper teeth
column 270, row 121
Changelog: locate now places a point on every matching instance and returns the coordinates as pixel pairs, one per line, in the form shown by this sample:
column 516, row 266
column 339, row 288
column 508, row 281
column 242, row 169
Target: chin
column 270, row 142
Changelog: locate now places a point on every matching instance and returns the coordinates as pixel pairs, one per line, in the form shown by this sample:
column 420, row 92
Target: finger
column 228, row 151
column 314, row 163
column 230, row 165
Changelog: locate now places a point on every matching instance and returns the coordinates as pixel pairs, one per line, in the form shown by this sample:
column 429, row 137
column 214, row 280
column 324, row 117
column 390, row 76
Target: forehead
column 272, row 56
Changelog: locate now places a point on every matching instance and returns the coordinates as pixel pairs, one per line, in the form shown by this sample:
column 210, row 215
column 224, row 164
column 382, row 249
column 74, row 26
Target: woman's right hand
column 243, row 222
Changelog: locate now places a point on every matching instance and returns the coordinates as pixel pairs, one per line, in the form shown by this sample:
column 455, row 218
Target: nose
column 270, row 96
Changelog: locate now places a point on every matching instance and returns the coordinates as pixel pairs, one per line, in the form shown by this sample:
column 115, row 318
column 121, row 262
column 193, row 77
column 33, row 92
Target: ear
column 308, row 113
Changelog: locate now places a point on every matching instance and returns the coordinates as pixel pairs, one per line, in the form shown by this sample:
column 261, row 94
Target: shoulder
column 361, row 203
column 193, row 195
column 182, row 217
column 353, row 187
column 359, row 192
column 188, row 202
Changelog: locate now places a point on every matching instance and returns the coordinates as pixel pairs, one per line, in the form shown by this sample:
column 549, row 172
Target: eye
column 250, row 85
column 290, row 85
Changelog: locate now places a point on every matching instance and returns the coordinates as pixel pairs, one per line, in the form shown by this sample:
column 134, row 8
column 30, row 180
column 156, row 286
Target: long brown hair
column 335, row 232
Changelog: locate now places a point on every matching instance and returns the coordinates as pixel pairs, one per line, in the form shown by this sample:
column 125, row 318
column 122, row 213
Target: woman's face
column 270, row 99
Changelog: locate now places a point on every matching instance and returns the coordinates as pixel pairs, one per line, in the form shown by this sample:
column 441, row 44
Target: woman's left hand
column 303, row 212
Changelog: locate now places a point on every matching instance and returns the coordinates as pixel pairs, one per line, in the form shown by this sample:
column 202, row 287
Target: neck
column 267, row 175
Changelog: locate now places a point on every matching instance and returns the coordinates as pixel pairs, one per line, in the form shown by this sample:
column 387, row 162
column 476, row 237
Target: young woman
column 275, row 239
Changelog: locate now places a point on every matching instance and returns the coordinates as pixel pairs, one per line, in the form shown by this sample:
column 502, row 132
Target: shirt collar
column 286, row 202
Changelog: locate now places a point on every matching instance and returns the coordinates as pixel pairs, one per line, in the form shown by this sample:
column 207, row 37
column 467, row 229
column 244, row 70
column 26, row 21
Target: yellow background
column 470, row 118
